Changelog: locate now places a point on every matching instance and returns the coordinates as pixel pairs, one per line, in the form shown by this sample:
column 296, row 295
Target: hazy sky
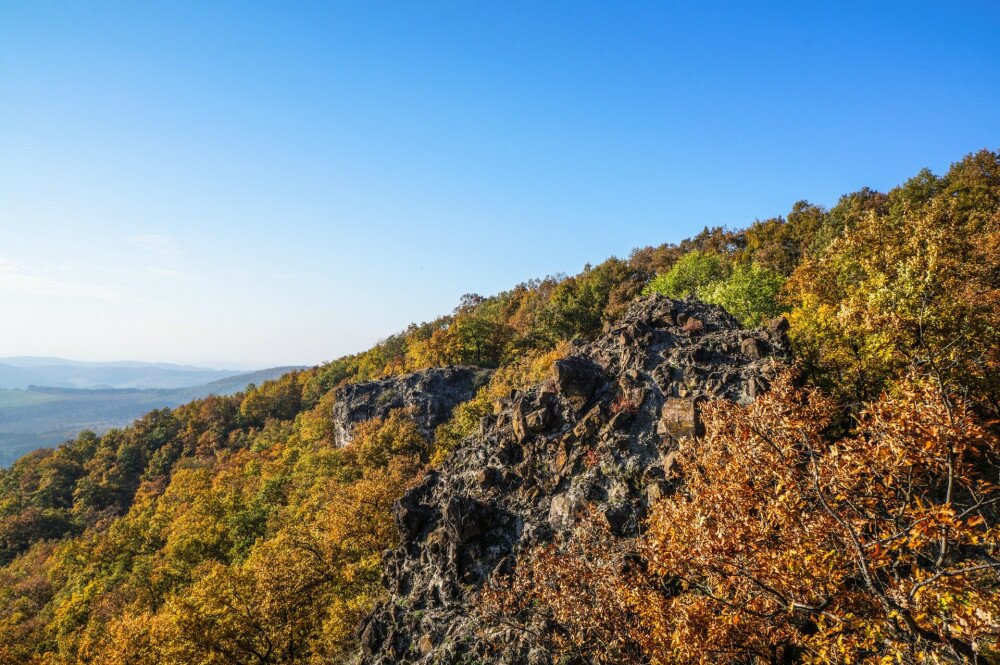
column 271, row 183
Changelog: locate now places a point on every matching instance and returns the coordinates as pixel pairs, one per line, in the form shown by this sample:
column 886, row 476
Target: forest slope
column 847, row 513
column 45, row 416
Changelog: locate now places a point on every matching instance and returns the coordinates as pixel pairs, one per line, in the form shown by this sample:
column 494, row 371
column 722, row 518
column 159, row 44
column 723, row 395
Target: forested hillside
column 825, row 488
column 46, row 416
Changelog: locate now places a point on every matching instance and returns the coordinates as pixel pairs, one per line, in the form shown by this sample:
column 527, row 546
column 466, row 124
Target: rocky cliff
column 429, row 395
column 597, row 435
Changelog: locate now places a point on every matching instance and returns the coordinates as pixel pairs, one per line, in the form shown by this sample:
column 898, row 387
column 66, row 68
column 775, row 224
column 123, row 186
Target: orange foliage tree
column 570, row 600
column 878, row 547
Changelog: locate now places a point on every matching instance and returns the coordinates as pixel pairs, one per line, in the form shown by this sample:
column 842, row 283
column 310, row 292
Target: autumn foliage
column 570, row 599
column 850, row 515
column 785, row 544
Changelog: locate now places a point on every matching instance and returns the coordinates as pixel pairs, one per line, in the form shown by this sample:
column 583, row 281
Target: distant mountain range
column 25, row 371
column 45, row 401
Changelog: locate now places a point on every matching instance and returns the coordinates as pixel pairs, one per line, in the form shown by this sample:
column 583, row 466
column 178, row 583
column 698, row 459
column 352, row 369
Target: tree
column 780, row 245
column 279, row 399
column 915, row 287
column 578, row 307
column 750, row 293
column 782, row 544
column 570, row 599
column 377, row 442
column 691, row 275
column 476, row 339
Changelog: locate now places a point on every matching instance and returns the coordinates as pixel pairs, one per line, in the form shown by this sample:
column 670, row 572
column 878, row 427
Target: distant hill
column 25, row 371
column 43, row 361
column 18, row 377
column 38, row 417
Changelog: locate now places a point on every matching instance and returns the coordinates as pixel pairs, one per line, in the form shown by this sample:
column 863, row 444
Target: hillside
column 46, row 416
column 768, row 445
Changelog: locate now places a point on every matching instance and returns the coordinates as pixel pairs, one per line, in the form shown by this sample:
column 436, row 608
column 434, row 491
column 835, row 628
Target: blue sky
column 270, row 183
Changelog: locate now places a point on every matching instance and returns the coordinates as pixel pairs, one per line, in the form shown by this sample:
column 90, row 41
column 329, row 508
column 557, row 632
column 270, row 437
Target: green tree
column 750, row 294
column 578, row 305
column 916, row 286
column 693, row 272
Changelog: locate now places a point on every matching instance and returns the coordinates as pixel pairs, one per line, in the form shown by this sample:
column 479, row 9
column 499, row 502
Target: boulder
column 576, row 378
column 678, row 418
column 565, row 509
column 429, row 397
column 411, row 518
column 754, row 348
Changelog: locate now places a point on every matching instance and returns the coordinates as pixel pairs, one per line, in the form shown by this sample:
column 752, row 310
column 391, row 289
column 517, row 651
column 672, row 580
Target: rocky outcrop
column 596, row 436
column 429, row 395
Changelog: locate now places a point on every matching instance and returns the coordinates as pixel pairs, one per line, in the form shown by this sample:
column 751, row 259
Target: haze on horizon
column 272, row 185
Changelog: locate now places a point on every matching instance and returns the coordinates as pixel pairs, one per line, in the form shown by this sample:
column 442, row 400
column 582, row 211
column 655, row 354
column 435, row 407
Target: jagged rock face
column 598, row 436
column 430, row 395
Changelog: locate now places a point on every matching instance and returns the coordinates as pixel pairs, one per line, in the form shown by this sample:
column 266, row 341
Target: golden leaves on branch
column 880, row 543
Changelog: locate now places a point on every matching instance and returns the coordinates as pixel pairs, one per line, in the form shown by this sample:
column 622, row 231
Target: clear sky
column 286, row 182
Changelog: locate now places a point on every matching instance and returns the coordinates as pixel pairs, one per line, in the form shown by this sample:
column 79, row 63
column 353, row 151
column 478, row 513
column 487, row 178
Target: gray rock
column 430, row 395
column 576, row 379
column 753, row 348
column 598, row 437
